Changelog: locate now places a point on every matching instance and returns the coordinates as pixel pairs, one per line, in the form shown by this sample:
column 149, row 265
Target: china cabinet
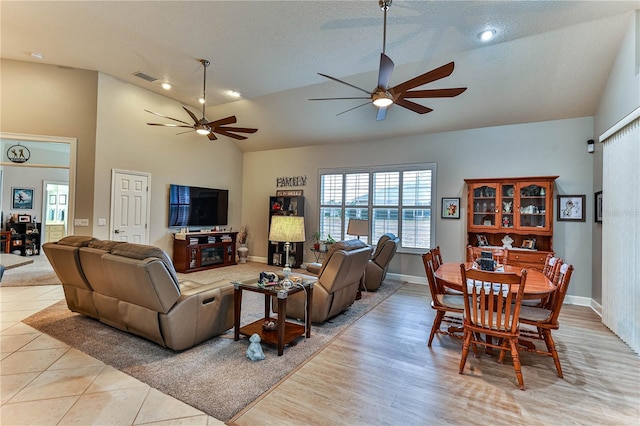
column 515, row 210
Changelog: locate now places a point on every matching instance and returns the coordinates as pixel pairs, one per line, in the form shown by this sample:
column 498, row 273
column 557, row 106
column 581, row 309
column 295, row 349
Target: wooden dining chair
column 545, row 318
column 492, row 306
column 437, row 257
column 441, row 301
column 551, row 266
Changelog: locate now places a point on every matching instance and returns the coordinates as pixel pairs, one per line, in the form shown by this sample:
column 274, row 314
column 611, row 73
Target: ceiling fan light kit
column 383, row 96
column 203, row 126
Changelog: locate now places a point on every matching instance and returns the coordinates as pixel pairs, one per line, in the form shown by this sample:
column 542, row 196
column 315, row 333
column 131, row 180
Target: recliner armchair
column 377, row 267
column 338, row 282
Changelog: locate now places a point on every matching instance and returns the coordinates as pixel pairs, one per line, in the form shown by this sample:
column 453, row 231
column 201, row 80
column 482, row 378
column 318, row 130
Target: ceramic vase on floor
column 243, row 252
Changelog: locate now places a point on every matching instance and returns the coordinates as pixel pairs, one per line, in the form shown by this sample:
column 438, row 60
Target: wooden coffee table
column 286, row 331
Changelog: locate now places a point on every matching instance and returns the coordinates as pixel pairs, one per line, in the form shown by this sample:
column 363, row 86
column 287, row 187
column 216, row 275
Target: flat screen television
column 192, row 206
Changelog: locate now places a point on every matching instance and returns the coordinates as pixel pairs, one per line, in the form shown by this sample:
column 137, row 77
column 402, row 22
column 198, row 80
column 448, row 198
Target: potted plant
column 316, row 238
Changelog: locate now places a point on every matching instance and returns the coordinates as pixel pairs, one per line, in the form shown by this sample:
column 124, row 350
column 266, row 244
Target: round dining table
column 537, row 285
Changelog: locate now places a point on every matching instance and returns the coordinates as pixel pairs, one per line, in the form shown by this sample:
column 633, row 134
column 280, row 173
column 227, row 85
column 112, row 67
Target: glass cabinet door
column 533, row 207
column 508, row 205
column 484, row 205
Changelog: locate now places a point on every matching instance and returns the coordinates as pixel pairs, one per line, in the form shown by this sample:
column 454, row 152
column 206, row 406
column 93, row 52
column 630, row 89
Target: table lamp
column 287, row 229
column 358, row 227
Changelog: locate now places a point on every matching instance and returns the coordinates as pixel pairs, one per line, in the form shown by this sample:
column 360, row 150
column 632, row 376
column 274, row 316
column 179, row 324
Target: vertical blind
column 621, row 234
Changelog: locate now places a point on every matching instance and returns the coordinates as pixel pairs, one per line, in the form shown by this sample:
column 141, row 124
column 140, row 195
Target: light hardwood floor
column 380, row 371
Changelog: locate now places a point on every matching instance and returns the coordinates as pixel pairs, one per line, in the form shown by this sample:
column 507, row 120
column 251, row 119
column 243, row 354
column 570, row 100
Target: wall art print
column 22, row 198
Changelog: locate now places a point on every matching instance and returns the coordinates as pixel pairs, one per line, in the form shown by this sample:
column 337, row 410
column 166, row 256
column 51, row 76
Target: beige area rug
column 215, row 376
column 39, row 272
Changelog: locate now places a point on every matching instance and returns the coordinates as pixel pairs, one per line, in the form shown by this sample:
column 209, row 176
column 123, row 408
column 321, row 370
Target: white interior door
column 130, row 206
column 55, row 209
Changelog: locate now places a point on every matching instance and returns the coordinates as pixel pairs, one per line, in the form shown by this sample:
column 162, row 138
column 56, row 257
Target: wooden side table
column 286, row 331
column 6, row 241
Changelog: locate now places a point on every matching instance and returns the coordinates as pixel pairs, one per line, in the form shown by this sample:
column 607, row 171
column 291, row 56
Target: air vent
column 145, row 76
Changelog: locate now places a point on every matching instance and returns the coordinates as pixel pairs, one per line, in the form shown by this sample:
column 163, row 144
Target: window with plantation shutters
column 396, row 199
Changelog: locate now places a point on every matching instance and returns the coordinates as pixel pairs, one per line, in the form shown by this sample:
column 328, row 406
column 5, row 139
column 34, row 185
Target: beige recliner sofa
column 377, row 267
column 338, row 281
column 134, row 288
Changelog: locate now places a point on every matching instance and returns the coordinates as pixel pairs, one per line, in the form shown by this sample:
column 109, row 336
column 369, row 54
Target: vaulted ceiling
column 550, row 59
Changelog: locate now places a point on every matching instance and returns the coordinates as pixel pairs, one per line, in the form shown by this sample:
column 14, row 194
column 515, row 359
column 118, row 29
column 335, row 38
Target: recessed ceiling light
column 166, row 86
column 233, row 94
column 487, row 35
column 201, row 100
column 36, row 55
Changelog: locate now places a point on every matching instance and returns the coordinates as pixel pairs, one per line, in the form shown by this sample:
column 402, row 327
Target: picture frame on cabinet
column 24, row 218
column 571, row 208
column 450, row 208
column 529, row 244
column 22, row 198
column 598, row 207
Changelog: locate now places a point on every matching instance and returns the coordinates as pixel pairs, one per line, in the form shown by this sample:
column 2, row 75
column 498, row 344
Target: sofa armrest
column 203, row 311
column 314, row 268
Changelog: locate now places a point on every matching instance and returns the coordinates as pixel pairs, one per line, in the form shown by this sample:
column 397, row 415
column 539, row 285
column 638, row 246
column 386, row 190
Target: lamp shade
column 358, row 227
column 287, row 229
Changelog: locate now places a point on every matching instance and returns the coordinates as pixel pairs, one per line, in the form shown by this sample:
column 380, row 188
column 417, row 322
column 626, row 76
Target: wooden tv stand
column 206, row 250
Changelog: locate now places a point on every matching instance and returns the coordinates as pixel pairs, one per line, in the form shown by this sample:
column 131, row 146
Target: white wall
column 536, row 149
column 27, row 177
column 124, row 141
column 622, row 92
column 620, row 97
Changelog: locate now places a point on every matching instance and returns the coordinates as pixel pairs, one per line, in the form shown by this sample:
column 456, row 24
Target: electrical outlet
column 81, row 222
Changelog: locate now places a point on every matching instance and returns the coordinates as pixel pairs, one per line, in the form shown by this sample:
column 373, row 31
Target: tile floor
column 45, row 382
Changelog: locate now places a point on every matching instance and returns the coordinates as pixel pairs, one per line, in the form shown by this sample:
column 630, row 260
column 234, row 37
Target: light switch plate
column 81, row 222
column 102, row 221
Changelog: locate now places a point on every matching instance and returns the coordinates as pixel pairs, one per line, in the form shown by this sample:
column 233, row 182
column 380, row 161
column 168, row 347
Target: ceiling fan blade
column 412, row 106
column 382, row 113
column 344, row 82
column 386, row 69
column 434, row 93
column 164, row 116
column 236, row 129
column 169, row 125
column 193, row 116
column 230, row 135
column 223, row 121
column 338, row 99
column 211, row 136
column 428, row 77
column 188, row 131
column 351, row 109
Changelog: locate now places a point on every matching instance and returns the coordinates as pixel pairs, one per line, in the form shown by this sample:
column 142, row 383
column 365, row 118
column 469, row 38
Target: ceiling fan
column 202, row 126
column 384, row 96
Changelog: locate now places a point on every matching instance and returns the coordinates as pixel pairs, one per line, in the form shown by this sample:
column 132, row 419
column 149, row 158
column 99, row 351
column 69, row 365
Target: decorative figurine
column 254, row 351
column 507, row 241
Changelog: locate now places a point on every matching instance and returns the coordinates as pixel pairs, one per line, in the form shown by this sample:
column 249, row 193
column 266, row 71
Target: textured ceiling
column 550, row 60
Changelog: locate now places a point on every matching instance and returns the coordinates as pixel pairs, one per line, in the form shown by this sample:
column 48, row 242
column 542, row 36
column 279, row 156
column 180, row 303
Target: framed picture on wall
column 22, row 198
column 571, row 208
column 598, row 206
column 450, row 208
